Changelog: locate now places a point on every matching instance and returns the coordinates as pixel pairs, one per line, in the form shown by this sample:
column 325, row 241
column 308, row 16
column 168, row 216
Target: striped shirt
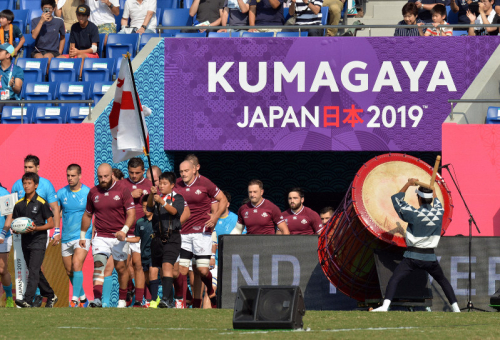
column 305, row 16
column 407, row 32
column 436, row 31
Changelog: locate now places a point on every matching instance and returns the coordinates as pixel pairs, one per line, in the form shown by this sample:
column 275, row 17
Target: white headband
column 424, row 194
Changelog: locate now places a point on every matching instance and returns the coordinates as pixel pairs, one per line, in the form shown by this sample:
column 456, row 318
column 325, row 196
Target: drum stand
column 470, row 305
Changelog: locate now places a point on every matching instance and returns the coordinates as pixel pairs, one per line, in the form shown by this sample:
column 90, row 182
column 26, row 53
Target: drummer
column 422, row 237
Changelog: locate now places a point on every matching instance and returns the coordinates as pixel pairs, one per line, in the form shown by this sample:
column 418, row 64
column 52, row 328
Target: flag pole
column 146, row 145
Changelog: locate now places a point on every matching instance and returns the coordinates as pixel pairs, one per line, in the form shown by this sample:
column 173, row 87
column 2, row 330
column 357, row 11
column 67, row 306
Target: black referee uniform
column 34, row 244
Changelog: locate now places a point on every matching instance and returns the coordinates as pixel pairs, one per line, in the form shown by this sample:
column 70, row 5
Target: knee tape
column 202, row 263
column 184, row 262
column 99, row 269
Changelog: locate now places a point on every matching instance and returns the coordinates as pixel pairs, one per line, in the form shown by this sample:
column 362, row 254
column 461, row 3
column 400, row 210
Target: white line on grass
column 323, row 330
column 142, row 328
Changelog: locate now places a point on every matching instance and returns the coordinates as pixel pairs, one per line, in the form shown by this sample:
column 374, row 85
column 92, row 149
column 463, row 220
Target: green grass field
column 66, row 323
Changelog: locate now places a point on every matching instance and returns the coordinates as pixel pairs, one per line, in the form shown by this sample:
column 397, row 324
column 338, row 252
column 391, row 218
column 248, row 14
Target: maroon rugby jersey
column 110, row 208
column 199, row 196
column 304, row 222
column 145, row 185
column 260, row 219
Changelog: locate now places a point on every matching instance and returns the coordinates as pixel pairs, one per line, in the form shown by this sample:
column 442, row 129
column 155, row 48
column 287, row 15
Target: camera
column 46, row 10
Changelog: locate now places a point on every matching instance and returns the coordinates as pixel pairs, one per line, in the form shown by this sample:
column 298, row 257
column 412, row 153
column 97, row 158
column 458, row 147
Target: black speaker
column 269, row 307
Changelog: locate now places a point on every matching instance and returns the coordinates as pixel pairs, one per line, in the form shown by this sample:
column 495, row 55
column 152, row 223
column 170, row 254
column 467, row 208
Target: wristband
column 213, row 256
column 57, row 231
column 144, row 26
column 125, row 229
column 3, row 234
column 82, row 235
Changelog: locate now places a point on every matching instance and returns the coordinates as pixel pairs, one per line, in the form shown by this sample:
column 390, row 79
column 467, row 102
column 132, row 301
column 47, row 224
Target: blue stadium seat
column 29, row 45
column 76, row 114
column 49, row 115
column 34, row 13
column 102, row 39
column 79, row 90
column 458, row 33
column 119, row 44
column 187, row 3
column 66, row 43
column 257, row 34
column 118, row 19
column 176, row 17
column 286, row 14
column 21, row 18
column 35, row 70
column 29, row 4
column 223, row 34
column 143, row 40
column 118, row 63
column 65, row 69
column 158, row 14
column 99, row 89
column 292, row 34
column 40, row 91
column 122, row 4
column 451, row 17
column 324, row 15
column 101, row 69
column 12, row 115
column 493, row 115
column 191, row 35
column 166, row 3
column 7, row 4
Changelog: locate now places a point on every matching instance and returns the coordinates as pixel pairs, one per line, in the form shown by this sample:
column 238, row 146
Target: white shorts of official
column 6, row 245
column 199, row 244
column 110, row 246
column 213, row 271
column 134, row 248
column 68, row 248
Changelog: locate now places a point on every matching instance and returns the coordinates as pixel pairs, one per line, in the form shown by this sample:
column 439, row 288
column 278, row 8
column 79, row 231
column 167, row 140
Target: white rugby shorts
column 68, row 248
column 6, row 245
column 199, row 244
column 110, row 246
column 134, row 248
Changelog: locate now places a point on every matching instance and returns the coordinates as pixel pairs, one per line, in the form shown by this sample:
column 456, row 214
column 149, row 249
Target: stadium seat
column 35, row 70
column 21, row 18
column 40, row 91
column 493, row 115
column 65, row 69
column 7, row 4
column 66, row 44
column 257, row 34
column 99, row 89
column 176, row 17
column 223, row 34
column 34, row 13
column 451, row 17
column 101, row 69
column 29, row 45
column 119, row 44
column 324, row 15
column 122, row 4
column 286, row 14
column 102, row 39
column 166, row 3
column 158, row 14
column 191, row 35
column 76, row 114
column 187, row 3
column 458, row 33
column 118, row 19
column 49, row 115
column 292, row 34
column 143, row 40
column 118, row 63
column 12, row 115
column 79, row 90
column 29, row 4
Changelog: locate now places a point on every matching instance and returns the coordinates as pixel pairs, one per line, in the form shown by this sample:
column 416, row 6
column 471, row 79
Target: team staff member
column 166, row 243
column 72, row 201
column 114, row 211
column 325, row 214
column 5, row 245
column 300, row 219
column 260, row 216
column 34, row 241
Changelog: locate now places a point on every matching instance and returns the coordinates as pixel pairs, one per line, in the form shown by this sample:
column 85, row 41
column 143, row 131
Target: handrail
column 452, row 101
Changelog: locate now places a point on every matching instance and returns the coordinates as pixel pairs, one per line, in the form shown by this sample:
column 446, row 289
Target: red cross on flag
column 128, row 140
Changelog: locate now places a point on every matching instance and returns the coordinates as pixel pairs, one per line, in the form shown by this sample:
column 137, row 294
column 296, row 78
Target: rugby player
column 300, row 219
column 45, row 190
column 114, row 210
column 199, row 192
column 5, row 245
column 138, row 187
column 156, row 173
column 260, row 216
column 325, row 214
column 72, row 201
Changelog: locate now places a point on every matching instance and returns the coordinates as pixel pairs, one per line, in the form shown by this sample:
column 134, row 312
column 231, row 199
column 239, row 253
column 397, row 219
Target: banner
column 321, row 94
column 292, row 260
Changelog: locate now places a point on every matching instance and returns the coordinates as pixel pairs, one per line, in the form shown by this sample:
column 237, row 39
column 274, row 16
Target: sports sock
column 147, row 292
column 196, row 303
column 455, row 308
column 122, row 294
column 154, row 285
column 188, row 293
column 207, row 280
column 106, row 290
column 384, row 307
column 8, row 290
column 98, row 291
column 77, row 283
column 139, row 294
column 166, row 283
column 178, row 284
column 130, row 286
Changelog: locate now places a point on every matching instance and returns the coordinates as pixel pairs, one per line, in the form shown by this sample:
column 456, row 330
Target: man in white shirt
column 102, row 14
column 486, row 16
column 142, row 14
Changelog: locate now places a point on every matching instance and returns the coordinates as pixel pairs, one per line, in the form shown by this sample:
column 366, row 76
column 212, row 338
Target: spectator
column 9, row 32
column 334, row 12
column 461, row 6
column 438, row 13
column 308, row 13
column 266, row 13
column 11, row 76
column 424, row 8
column 102, row 14
column 208, row 12
column 142, row 14
column 84, row 37
column 486, row 16
column 48, row 32
column 66, row 9
column 410, row 16
column 236, row 11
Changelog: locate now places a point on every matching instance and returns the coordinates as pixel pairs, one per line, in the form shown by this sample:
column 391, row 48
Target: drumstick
column 425, row 185
column 434, row 172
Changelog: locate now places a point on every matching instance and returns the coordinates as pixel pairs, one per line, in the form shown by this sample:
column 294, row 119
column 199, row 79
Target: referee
column 166, row 240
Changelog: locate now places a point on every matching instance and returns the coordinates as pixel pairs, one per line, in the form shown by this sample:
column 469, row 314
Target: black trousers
column 34, row 260
column 406, row 266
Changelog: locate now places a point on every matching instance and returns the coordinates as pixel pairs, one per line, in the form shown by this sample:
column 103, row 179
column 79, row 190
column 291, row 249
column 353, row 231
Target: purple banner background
column 196, row 119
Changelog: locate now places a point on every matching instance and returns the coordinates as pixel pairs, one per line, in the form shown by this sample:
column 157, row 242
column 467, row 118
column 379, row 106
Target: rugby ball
column 21, row 224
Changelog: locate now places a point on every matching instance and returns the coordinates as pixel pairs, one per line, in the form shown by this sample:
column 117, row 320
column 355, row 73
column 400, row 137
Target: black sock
column 153, row 288
column 166, row 283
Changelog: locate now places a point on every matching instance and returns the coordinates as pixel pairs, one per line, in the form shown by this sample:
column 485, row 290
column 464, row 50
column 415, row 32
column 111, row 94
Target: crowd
column 151, row 234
